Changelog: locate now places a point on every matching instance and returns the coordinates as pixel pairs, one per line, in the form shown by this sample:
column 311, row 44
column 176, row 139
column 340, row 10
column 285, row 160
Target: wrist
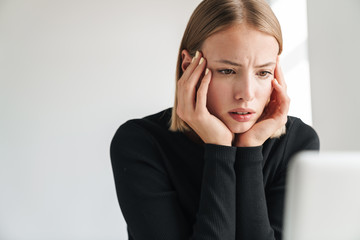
column 247, row 142
column 220, row 142
column 225, row 140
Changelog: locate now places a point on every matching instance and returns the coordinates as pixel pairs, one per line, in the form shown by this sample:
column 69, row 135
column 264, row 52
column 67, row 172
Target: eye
column 226, row 71
column 264, row 74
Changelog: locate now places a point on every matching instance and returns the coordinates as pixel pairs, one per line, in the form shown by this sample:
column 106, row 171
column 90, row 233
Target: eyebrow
column 239, row 65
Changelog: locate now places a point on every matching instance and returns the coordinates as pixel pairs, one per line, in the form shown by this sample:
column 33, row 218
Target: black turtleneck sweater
column 171, row 188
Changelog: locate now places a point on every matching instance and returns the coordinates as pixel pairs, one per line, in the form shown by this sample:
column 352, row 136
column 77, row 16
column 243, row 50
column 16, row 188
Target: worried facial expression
column 242, row 61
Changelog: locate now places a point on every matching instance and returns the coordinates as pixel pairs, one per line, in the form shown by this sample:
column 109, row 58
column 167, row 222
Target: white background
column 334, row 51
column 72, row 71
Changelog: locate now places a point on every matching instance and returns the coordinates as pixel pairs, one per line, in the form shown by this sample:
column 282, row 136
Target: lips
column 242, row 114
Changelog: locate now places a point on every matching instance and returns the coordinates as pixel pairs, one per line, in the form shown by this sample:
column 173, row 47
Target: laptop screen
column 323, row 196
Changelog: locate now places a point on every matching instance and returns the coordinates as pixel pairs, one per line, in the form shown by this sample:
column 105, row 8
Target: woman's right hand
column 191, row 104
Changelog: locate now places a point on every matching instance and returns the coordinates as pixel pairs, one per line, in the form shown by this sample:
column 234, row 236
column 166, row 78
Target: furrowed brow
column 266, row 65
column 229, row 62
column 239, row 65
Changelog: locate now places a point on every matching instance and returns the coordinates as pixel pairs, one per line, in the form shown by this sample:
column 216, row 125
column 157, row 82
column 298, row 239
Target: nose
column 244, row 89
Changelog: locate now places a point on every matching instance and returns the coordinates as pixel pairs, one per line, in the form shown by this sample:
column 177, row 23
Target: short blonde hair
column 212, row 16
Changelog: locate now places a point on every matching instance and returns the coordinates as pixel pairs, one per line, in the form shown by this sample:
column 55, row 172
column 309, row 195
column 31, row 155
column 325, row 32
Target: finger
column 189, row 87
column 281, row 96
column 194, row 63
column 279, row 89
column 201, row 98
column 197, row 74
column 279, row 73
column 184, row 107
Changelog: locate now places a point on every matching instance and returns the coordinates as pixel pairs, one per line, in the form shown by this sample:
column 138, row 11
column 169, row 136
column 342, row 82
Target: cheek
column 215, row 96
column 264, row 94
column 268, row 90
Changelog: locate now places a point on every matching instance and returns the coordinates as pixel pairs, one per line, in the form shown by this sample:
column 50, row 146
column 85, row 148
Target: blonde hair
column 212, row 16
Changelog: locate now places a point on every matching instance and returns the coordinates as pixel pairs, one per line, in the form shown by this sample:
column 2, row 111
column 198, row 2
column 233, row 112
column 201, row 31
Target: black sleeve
column 252, row 220
column 148, row 201
column 259, row 214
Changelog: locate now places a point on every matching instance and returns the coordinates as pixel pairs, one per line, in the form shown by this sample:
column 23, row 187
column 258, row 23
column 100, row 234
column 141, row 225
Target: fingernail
column 276, row 81
column 196, row 56
column 206, row 71
column 201, row 60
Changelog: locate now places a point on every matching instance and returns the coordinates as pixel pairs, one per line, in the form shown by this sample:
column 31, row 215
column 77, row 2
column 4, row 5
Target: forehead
column 240, row 42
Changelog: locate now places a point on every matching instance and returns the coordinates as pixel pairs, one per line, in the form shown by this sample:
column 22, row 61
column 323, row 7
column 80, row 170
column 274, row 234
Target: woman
column 214, row 165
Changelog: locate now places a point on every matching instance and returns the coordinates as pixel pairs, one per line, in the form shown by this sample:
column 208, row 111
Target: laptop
column 322, row 200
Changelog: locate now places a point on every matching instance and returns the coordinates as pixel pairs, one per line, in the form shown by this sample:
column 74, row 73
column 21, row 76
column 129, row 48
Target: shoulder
column 143, row 127
column 137, row 138
column 301, row 135
column 295, row 123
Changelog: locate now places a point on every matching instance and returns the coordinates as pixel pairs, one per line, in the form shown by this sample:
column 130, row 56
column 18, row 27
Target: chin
column 240, row 127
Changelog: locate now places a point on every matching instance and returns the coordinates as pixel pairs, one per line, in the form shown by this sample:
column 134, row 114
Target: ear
column 186, row 59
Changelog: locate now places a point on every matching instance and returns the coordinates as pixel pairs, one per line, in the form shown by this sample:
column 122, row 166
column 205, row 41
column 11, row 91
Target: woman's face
column 242, row 61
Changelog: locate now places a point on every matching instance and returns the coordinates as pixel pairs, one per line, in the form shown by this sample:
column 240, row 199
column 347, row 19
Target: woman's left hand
column 272, row 119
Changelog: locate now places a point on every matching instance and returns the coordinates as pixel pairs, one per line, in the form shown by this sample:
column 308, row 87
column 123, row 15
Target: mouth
column 242, row 115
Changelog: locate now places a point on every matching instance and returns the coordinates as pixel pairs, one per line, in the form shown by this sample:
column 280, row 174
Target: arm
column 148, row 200
column 216, row 214
column 259, row 213
column 251, row 210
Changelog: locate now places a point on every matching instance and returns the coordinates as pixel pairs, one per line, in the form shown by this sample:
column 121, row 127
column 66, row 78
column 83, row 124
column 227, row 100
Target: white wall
column 71, row 72
column 294, row 59
column 334, row 49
